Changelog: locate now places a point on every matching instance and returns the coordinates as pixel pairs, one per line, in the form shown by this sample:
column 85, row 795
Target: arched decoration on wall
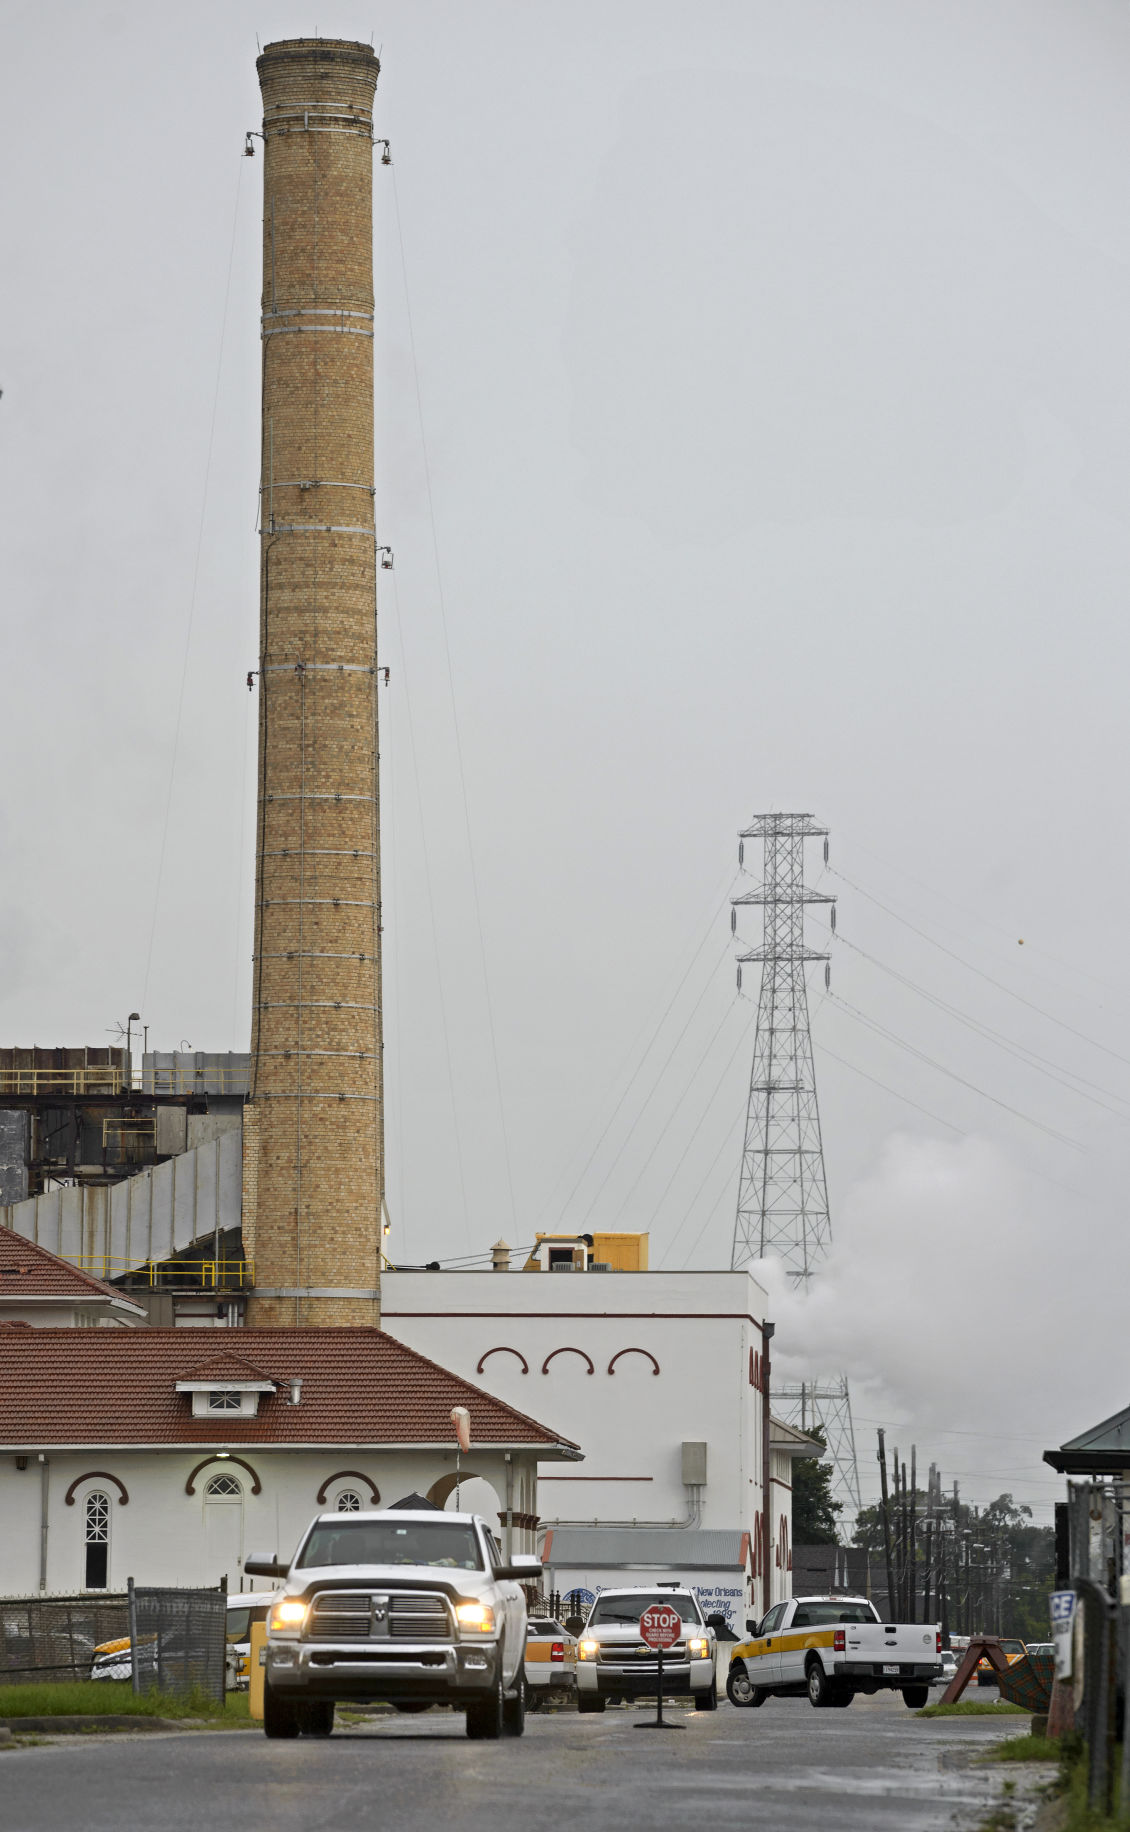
column 190, row 1485
column 647, row 1352
column 784, row 1551
column 483, row 1359
column 354, row 1475
column 97, row 1475
column 755, row 1369
column 567, row 1351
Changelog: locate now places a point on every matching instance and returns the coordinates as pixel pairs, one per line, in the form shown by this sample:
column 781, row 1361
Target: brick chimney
column 314, row 1140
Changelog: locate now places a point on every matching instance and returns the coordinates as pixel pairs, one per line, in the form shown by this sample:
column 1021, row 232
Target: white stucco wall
column 781, row 1518
column 164, row 1536
column 68, row 1315
column 725, row 1592
column 701, row 1328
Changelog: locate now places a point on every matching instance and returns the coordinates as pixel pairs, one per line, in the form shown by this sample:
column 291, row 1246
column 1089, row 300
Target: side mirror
column 721, row 1626
column 751, row 1623
column 266, row 1568
column 523, row 1568
column 573, row 1625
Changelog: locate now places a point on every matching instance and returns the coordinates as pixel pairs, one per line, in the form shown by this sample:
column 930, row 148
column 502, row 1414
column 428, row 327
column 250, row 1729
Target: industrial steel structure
column 782, row 1209
column 314, row 1132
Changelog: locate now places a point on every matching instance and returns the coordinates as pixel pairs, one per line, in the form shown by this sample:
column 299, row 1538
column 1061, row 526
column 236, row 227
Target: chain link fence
column 179, row 1640
column 54, row 1638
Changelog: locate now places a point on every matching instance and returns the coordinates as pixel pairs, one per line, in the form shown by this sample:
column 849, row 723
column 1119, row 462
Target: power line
column 1021, row 1052
column 910, row 1048
column 713, row 907
column 455, row 711
column 179, row 720
column 976, row 916
column 1026, row 1170
column 875, row 1082
column 664, row 1129
column 650, row 1094
column 445, row 1027
column 968, row 965
column 727, row 1142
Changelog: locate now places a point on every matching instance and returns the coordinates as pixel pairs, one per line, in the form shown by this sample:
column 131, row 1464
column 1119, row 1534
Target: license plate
column 890, row 1669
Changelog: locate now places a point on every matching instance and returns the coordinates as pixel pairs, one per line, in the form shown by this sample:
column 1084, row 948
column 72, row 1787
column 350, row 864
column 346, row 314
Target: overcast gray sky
column 773, row 381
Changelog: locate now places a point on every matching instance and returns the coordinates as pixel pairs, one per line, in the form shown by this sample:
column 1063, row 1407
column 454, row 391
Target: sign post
column 660, row 1627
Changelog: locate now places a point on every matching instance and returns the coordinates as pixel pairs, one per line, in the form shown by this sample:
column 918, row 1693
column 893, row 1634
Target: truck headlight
column 587, row 1650
column 289, row 1614
column 697, row 1648
column 478, row 1617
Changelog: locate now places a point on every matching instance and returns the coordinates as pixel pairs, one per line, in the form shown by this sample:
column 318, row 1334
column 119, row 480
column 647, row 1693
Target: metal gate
column 54, row 1638
column 179, row 1640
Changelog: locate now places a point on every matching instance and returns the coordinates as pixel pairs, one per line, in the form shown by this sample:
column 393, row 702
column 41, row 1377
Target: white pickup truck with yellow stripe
column 829, row 1648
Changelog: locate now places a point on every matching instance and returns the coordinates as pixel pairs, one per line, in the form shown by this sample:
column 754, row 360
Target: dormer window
column 226, row 1387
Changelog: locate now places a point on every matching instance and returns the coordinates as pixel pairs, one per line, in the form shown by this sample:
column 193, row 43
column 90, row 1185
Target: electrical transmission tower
column 782, row 1193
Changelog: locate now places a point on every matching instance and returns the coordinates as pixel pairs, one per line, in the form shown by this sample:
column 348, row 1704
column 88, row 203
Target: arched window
column 97, row 1538
column 223, row 1488
column 348, row 1502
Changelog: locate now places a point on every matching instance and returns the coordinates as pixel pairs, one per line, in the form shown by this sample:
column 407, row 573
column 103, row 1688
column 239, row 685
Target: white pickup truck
column 829, row 1648
column 413, row 1608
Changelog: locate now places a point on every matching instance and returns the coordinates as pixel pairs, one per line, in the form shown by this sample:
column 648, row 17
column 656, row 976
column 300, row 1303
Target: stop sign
column 660, row 1625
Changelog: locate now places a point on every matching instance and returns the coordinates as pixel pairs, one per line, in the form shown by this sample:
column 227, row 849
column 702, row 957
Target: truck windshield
column 623, row 1611
column 818, row 1615
column 387, row 1542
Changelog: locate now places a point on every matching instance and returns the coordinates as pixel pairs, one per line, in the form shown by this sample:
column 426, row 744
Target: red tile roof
column 225, row 1366
column 359, row 1387
column 28, row 1271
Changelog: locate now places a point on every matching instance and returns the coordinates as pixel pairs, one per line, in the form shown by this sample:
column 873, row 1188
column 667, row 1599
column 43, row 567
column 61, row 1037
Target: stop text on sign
column 660, row 1625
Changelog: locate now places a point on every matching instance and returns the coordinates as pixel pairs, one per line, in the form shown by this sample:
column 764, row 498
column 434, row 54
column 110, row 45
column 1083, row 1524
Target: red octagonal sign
column 660, row 1625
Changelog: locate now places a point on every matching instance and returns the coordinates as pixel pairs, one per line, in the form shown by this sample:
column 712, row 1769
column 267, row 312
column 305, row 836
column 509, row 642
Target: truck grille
column 349, row 1615
column 416, row 1618
column 639, row 1658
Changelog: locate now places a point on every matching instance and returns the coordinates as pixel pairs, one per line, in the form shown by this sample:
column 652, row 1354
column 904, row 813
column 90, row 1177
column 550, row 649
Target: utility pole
column 782, row 1208
column 912, row 1549
column 886, row 1525
column 928, row 1565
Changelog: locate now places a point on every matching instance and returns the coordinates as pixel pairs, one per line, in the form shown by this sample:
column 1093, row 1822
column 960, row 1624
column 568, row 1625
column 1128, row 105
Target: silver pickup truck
column 829, row 1648
column 412, row 1608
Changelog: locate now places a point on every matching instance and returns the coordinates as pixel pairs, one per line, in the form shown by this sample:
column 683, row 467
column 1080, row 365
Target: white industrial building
column 659, row 1377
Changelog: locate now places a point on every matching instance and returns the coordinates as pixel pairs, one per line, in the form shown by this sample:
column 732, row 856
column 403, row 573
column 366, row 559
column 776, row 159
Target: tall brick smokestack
column 314, row 1157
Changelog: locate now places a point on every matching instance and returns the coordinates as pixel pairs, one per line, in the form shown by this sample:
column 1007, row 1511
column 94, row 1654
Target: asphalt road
column 785, row 1766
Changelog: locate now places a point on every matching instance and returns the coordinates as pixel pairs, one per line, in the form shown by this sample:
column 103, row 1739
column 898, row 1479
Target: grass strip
column 97, row 1698
column 973, row 1707
column 1024, row 1749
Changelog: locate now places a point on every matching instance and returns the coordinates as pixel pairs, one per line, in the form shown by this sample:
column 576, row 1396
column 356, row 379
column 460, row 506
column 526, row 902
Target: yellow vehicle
column 551, row 1659
column 1015, row 1650
column 828, row 1649
column 114, row 1659
column 244, row 1609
